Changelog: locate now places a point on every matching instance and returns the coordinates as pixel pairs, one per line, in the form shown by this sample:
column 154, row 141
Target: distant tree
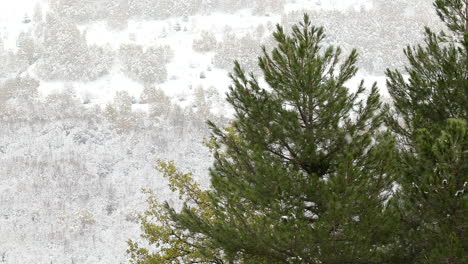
column 20, row 87
column 3, row 58
column 82, row 11
column 203, row 106
column 206, row 43
column 120, row 112
column 177, row 26
column 63, row 105
column 18, row 99
column 27, row 48
column 260, row 31
column 160, row 104
column 119, row 14
column 111, row 204
column 2, row 46
column 264, row 7
column 26, row 19
column 202, row 75
column 147, row 66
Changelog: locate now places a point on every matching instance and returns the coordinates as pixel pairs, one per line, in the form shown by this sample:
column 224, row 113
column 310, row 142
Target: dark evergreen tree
column 438, row 72
column 26, row 19
column 301, row 175
column 430, row 112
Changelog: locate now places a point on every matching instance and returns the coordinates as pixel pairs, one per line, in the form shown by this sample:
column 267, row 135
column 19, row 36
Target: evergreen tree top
column 301, row 175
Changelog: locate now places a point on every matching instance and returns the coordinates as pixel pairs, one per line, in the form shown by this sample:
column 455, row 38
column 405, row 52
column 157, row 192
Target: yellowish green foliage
column 183, row 184
column 171, row 245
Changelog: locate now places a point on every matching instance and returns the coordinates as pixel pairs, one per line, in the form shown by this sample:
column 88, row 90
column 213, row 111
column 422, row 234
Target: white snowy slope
column 74, row 156
column 184, row 70
column 12, row 13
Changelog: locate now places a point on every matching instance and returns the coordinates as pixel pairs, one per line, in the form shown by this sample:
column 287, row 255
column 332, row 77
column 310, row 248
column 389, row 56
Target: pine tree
column 430, row 113
column 26, row 19
column 438, row 72
column 300, row 176
column 27, row 49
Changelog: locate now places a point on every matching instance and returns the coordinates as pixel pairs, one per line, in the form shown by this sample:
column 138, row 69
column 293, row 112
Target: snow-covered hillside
column 83, row 118
column 184, row 70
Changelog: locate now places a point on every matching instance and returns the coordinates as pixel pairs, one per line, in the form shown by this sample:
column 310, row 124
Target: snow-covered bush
column 244, row 49
column 27, row 51
column 18, row 99
column 146, row 66
column 10, row 63
column 207, row 42
column 159, row 103
column 120, row 112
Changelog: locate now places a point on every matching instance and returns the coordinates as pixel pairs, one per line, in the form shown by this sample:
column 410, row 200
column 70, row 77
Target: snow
column 329, row 4
column 184, row 70
column 12, row 13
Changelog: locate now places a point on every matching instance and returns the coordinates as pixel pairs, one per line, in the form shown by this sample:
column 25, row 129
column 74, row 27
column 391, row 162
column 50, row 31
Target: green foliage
column 437, row 88
column 174, row 244
column 430, row 114
column 454, row 13
column 300, row 176
column 432, row 199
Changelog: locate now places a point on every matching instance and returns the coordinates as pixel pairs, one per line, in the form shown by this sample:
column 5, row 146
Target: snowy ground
column 12, row 13
column 184, row 70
